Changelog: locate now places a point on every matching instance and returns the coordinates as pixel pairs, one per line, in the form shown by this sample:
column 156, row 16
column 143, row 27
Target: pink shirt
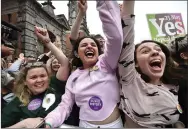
column 95, row 90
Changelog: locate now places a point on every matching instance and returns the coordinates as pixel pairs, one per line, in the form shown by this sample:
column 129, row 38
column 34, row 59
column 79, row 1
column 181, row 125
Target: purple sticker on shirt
column 34, row 104
column 95, row 103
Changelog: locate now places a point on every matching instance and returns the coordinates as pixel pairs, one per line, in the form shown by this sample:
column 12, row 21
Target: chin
column 55, row 69
column 156, row 75
column 39, row 91
column 91, row 61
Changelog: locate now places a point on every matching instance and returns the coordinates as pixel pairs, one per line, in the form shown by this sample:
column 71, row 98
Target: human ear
column 76, row 54
column 183, row 56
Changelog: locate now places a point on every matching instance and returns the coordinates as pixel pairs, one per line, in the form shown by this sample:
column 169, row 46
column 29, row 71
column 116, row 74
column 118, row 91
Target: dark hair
column 168, row 76
column 97, row 36
column 177, row 46
column 76, row 62
column 7, row 43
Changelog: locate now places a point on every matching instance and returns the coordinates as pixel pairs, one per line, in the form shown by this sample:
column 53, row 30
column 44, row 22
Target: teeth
column 89, row 52
column 157, row 60
column 39, row 85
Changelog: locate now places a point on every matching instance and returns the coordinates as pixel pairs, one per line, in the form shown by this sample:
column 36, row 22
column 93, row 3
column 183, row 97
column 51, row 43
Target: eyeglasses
column 33, row 64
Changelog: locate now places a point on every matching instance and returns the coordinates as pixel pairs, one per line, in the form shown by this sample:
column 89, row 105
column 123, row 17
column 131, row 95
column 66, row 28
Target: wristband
column 48, row 125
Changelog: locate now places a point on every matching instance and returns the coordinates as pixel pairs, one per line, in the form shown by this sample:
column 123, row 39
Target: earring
column 136, row 65
column 76, row 54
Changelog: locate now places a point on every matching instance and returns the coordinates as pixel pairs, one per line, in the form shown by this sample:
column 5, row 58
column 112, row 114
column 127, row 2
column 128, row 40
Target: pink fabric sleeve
column 109, row 13
column 62, row 111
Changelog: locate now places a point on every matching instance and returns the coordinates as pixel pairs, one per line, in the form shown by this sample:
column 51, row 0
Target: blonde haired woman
column 35, row 96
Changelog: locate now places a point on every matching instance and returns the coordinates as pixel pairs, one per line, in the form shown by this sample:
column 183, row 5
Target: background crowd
column 111, row 84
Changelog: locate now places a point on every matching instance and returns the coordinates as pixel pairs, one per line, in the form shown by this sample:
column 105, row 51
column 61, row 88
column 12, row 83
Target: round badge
column 95, row 103
column 179, row 108
column 34, row 104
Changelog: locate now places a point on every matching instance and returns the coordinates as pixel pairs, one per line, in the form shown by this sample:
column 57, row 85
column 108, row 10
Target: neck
column 87, row 66
column 156, row 82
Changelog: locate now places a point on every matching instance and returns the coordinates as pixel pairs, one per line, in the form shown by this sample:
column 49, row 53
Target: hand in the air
column 42, row 35
column 82, row 5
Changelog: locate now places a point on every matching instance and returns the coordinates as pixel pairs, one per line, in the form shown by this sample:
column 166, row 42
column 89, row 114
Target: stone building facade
column 72, row 13
column 25, row 14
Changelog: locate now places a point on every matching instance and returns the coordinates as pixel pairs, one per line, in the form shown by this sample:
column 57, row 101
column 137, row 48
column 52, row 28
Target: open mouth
column 56, row 67
column 156, row 64
column 89, row 54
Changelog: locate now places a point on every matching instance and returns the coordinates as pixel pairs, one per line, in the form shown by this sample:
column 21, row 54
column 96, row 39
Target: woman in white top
column 148, row 93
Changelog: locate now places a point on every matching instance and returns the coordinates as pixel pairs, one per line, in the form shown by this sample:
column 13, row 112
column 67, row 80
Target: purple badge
column 95, row 103
column 34, row 104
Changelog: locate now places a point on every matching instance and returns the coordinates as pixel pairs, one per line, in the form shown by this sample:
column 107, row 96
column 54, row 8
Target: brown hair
column 178, row 46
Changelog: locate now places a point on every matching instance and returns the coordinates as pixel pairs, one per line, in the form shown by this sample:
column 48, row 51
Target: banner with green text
column 165, row 27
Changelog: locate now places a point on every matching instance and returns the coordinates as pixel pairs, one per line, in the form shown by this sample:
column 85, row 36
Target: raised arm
column 64, row 70
column 126, row 61
column 109, row 13
column 127, row 8
column 62, row 111
column 82, row 5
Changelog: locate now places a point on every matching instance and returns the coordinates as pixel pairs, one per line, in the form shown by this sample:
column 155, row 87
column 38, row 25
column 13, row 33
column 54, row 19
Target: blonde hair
column 21, row 90
column 4, row 64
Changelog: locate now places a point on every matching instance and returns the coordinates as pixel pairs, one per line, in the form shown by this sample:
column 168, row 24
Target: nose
column 155, row 53
column 89, row 46
column 56, row 63
column 39, row 79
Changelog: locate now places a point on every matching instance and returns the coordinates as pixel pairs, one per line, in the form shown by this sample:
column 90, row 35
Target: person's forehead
column 55, row 60
column 87, row 40
column 38, row 70
column 100, row 39
column 147, row 45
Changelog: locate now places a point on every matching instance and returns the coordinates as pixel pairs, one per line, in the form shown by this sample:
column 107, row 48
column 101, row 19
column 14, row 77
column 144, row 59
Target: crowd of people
column 110, row 83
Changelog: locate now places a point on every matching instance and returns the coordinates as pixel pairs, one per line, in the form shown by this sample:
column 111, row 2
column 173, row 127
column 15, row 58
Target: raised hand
column 42, row 35
column 127, row 7
column 21, row 57
column 82, row 5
